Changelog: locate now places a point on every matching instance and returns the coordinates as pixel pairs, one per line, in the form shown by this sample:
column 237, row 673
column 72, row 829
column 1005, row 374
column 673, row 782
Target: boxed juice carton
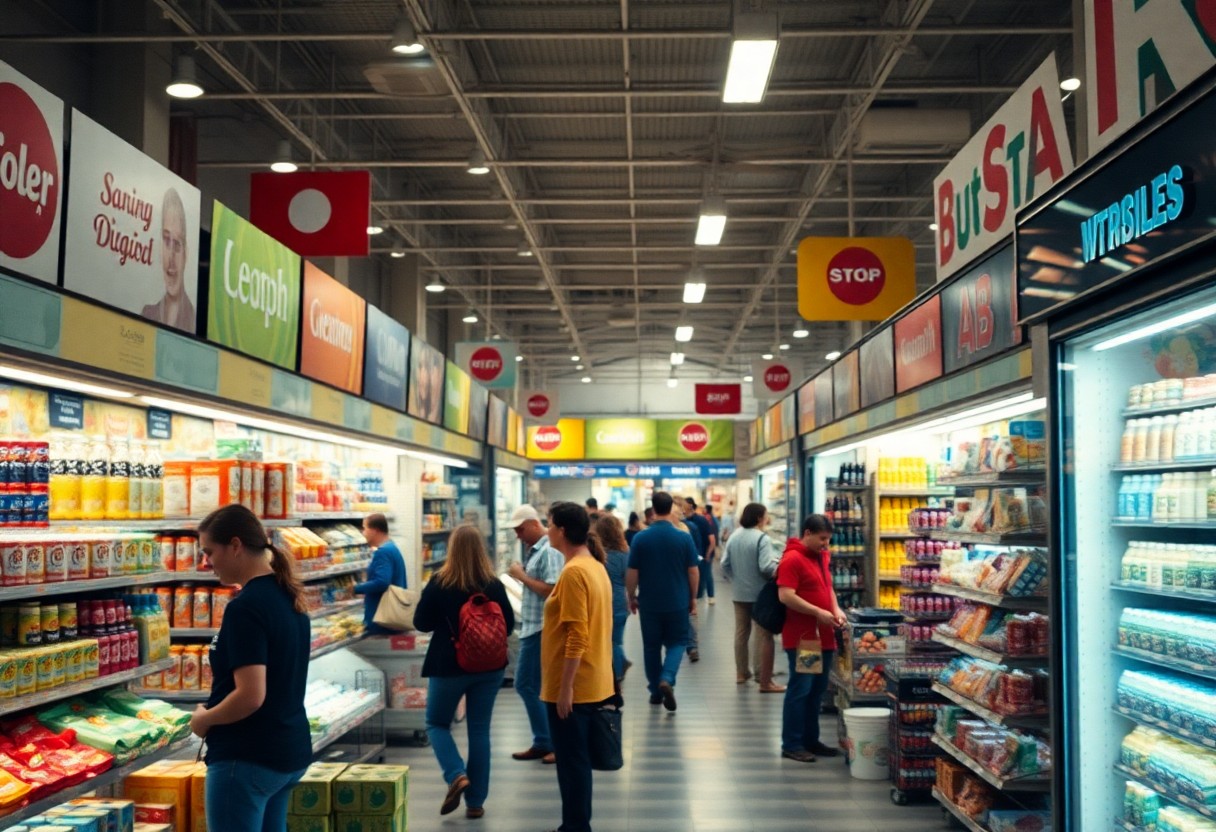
column 176, row 489
column 395, row 822
column 313, row 794
column 310, row 823
column 371, row 789
column 75, row 823
column 163, row 782
column 121, row 811
column 214, row 484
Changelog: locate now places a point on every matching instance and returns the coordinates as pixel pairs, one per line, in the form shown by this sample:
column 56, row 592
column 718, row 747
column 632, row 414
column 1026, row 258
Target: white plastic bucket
column 868, row 732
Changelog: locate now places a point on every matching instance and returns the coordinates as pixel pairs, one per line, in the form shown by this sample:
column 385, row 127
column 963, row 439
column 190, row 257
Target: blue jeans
column 803, row 699
column 571, row 738
column 618, row 642
column 706, row 586
column 527, row 685
column 246, row 797
column 663, row 630
column 443, row 695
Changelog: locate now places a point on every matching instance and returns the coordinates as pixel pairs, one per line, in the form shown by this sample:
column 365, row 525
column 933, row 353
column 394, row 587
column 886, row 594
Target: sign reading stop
column 855, row 278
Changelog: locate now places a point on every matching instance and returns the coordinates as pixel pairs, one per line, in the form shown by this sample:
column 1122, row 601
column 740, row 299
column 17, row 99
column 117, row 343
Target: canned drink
column 29, row 625
column 259, row 489
column 6, row 465
column 246, row 495
column 149, row 553
column 39, row 464
column 275, row 490
column 35, row 561
column 173, row 673
column 191, row 670
column 56, row 561
column 89, row 659
column 75, row 662
column 202, row 607
column 18, row 462
column 78, row 559
column 69, row 623
column 104, row 664
column 98, row 618
column 27, row 672
column 183, row 606
column 7, row 502
column 8, row 626
column 167, row 547
column 49, row 623
column 101, row 557
column 111, row 613
column 12, row 562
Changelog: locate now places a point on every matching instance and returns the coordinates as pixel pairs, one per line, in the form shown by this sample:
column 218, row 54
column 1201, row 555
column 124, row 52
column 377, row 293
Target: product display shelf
column 100, row 781
column 1167, row 662
column 1133, row 523
column 890, row 577
column 1164, row 791
column 185, row 524
column 1207, row 596
column 930, row 491
column 334, row 609
column 909, row 690
column 339, row 729
column 1035, row 783
column 45, row 697
column 1166, row 409
column 1204, row 464
column 31, row 592
column 1037, row 719
column 958, row 813
column 201, row 695
column 847, row 694
column 434, row 561
column 334, row 571
column 1166, row 727
column 1027, row 538
column 1017, row 476
column 193, row 632
column 325, row 649
column 987, row 655
column 1021, row 602
column 437, row 531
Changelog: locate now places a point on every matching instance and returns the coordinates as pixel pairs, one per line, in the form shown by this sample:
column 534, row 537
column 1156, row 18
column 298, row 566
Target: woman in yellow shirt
column 576, row 656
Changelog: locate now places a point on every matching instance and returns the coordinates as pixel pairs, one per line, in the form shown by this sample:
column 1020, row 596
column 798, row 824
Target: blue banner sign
column 633, row 471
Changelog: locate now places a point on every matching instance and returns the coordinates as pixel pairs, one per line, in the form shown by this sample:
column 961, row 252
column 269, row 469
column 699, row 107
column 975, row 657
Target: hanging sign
column 855, row 278
column 634, row 470
column 331, row 341
column 1137, row 54
column 979, row 312
column 621, row 439
column 806, row 407
column 67, row 411
column 31, row 177
column 426, row 382
column 490, row 363
column 823, row 398
column 132, row 230
column 456, row 404
column 878, row 367
column 719, row 399
column 1019, row 153
column 314, row 213
column 775, row 377
column 540, row 407
column 918, row 345
column 562, row 441
column 386, row 360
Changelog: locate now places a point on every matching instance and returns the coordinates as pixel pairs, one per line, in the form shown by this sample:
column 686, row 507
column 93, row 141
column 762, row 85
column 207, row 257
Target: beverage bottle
column 155, row 466
column 135, row 482
column 859, row 509
column 1140, row 440
column 147, row 491
column 1199, row 496
column 118, row 481
column 1211, row 496
column 1203, row 434
column 93, row 481
column 1152, row 449
column 1169, row 429
column 1184, row 437
column 1127, row 443
column 854, row 576
column 1125, row 485
column 1161, row 499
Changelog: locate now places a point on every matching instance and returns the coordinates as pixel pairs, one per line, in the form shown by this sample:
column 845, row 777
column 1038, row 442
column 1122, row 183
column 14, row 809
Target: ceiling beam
column 666, row 199
column 933, row 160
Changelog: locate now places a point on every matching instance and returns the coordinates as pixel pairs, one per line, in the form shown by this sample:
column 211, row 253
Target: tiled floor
column 713, row 765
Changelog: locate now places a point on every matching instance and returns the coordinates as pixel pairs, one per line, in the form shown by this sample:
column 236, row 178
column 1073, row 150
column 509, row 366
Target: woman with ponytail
column 254, row 725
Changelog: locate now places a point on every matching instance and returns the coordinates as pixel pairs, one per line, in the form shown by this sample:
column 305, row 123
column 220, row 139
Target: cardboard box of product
column 163, row 782
column 79, row 823
column 309, row 823
column 153, row 827
column 156, row 813
column 198, row 799
column 371, row 789
column 396, row 822
column 314, row 794
column 121, row 812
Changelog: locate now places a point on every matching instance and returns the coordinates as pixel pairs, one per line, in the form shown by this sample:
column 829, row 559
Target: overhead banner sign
column 456, row 399
column 775, row 377
column 314, row 213
column 918, row 345
column 846, row 386
column 718, row 399
column 621, row 439
column 695, row 439
column 562, row 441
column 1137, row 54
column 806, row 407
column 31, row 177
column 254, row 296
column 823, row 398
column 979, row 313
column 855, row 278
column 1018, row 154
column 132, row 230
column 878, row 367
column 634, row 470
column 541, row 407
column 386, row 360
column 331, row 342
column 490, row 363
column 425, row 399
column 496, row 422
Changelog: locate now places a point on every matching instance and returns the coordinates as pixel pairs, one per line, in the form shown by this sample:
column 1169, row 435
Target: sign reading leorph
column 854, row 278
column 1017, row 155
column 1137, row 54
column 719, row 399
column 540, row 407
column 314, row 213
column 775, row 378
column 490, row 363
column 31, row 176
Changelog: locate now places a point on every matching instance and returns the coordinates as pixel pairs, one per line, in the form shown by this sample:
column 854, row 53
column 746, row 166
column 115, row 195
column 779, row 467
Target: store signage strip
column 291, row 394
column 100, row 338
column 979, row 312
column 30, row 317
column 184, row 362
column 328, row 405
column 357, row 414
column 1134, row 215
column 244, row 380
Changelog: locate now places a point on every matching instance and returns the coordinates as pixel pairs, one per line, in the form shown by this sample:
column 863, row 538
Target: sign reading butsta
column 490, row 363
column 776, row 377
column 31, row 176
column 1017, row 155
column 854, row 278
column 254, row 297
column 331, row 340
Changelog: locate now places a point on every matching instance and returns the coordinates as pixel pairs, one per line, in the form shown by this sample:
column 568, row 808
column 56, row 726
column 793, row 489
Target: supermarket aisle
column 713, row 765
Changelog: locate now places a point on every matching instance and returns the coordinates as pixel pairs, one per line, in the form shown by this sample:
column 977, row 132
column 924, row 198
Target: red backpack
column 481, row 640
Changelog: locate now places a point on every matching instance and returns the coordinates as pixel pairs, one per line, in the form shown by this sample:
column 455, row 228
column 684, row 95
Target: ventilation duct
column 895, row 129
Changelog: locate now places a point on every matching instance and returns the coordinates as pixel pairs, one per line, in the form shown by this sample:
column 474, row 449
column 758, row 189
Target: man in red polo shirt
column 804, row 585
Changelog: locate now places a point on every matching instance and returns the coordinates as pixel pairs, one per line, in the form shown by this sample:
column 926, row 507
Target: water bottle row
column 1177, row 497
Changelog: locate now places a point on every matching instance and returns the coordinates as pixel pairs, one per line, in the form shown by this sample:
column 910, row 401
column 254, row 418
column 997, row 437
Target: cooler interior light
column 60, row 383
column 1160, row 326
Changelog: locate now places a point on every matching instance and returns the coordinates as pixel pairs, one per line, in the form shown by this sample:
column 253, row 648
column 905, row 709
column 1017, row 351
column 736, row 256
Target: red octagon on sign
column 538, row 405
column 856, row 276
column 486, row 364
column 548, row 439
column 694, row 437
column 29, row 174
column 777, row 378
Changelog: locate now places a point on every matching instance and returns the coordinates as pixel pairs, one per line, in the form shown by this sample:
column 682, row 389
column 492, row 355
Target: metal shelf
column 1033, row 783
column 326, row 649
column 173, row 695
column 1167, row 662
column 958, row 813
column 339, row 729
column 1030, row 476
column 1164, row 791
column 890, row 577
column 1174, row 465
column 55, row 694
column 1034, row 539
column 1205, row 595
column 1162, row 410
column 1035, row 720
column 929, row 491
column 166, row 524
column 1165, row 727
column 846, row 488
column 333, row 609
column 32, row 592
column 193, row 632
column 1027, row 602
column 334, row 571
column 907, row 534
column 100, row 781
column 987, row 655
column 1132, row 523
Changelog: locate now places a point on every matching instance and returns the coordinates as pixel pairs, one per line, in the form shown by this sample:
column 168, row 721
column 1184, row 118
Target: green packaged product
column 175, row 720
column 314, row 793
column 309, row 823
column 371, row 789
column 396, row 822
column 99, row 727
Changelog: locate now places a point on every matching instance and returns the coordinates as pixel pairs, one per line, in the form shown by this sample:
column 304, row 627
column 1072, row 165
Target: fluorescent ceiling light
column 477, row 163
column 435, row 286
column 405, row 39
column 751, row 58
column 523, row 250
column 579, row 366
column 398, row 253
column 832, row 356
column 673, row 382
column 677, row 358
column 184, row 83
column 1070, row 84
column 1160, row 326
column 438, row 459
column 932, row 226
column 470, row 318
column 801, row 332
column 712, row 222
column 784, row 347
column 684, row 333
column 585, row 379
column 694, row 292
column 283, row 162
column 59, row 383
column 767, row 356
column 747, row 379
column 518, row 358
column 1011, row 407
column 373, row 230
column 574, row 358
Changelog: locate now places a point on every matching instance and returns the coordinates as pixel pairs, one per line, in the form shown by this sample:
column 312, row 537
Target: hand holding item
column 516, row 571
column 198, row 722
column 826, row 618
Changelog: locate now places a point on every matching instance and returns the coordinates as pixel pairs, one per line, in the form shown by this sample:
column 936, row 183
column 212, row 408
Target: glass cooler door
column 1136, row 470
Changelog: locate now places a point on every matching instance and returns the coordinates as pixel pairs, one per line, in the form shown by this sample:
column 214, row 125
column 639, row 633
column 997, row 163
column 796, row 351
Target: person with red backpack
column 466, row 609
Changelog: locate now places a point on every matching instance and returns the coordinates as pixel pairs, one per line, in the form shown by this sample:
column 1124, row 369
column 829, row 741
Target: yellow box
column 163, row 782
column 314, row 794
column 198, row 798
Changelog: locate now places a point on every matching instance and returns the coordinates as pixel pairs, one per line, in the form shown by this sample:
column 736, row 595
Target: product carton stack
column 85, row 814
column 333, row 797
column 170, row 795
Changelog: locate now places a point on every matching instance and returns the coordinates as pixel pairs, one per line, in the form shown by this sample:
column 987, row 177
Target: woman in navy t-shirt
column 254, row 724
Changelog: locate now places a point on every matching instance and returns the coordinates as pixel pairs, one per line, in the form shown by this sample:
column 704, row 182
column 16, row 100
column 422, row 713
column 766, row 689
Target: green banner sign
column 702, row 439
column 618, row 439
column 254, row 296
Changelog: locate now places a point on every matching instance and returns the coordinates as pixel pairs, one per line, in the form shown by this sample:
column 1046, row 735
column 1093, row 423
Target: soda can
column 39, row 506
column 49, row 623
column 39, row 464
column 69, row 624
column 6, row 466
column 29, row 625
column 18, row 464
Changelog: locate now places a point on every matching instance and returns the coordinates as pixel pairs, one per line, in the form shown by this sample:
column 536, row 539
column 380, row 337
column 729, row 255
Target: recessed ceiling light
column 405, row 39
column 767, row 356
column 477, row 163
column 784, row 347
column 585, row 379
column 1070, row 84
column 184, row 83
column 747, row 379
column 574, row 358
column 373, row 230
column 833, row 355
column 801, row 332
column 435, row 286
column 283, row 163
column 684, row 333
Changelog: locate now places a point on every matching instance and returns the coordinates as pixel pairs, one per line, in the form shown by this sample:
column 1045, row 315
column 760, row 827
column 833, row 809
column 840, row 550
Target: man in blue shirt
column 538, row 573
column 386, row 569
column 662, row 587
column 709, row 545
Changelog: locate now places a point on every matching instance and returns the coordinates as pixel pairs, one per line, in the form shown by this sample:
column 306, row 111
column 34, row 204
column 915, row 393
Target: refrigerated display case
column 508, row 496
column 776, row 488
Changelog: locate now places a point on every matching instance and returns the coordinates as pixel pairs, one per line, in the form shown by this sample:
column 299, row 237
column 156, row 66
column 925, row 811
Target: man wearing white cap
column 538, row 573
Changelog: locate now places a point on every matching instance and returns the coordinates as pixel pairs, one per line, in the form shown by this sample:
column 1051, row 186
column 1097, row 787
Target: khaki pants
column 761, row 646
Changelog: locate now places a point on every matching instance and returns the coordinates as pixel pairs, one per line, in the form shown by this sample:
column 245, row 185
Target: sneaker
column 825, row 751
column 474, row 814
column 694, row 655
column 799, row 756
column 455, row 791
column 668, row 696
column 656, row 699
column 711, row 602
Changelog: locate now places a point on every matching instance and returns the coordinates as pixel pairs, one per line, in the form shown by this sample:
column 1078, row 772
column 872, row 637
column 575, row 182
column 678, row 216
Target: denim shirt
column 544, row 563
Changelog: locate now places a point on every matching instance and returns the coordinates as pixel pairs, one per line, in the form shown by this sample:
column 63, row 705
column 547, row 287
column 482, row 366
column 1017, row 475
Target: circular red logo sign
column 29, row 174
column 694, row 437
column 777, row 377
column 486, row 364
column 856, row 276
column 538, row 405
column 548, row 438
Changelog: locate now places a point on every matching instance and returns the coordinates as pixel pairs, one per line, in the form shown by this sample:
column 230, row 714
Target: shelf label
column 327, row 405
column 160, row 424
column 67, row 411
column 184, row 362
column 290, row 394
column 100, row 338
column 30, row 317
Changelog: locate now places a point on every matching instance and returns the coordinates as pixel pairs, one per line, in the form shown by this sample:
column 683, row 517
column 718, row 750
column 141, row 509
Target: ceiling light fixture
column 405, row 39
column 932, row 226
column 1070, row 84
column 574, row 358
column 832, row 356
column 747, row 379
column 184, row 83
column 585, row 379
column 579, row 367
column 373, row 230
column 435, row 287
column 673, row 382
column 470, row 317
column 677, row 358
column 283, row 163
column 752, row 54
column 801, row 332
column 518, row 358
column 684, row 333
column 477, row 163
column 694, row 292
column 523, row 250
column 783, row 347
column 767, row 356
column 60, row 383
column 396, row 252
column 712, row 222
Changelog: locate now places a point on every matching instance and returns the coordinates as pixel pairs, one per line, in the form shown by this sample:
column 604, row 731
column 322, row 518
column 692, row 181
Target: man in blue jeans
column 662, row 587
column 538, row 573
